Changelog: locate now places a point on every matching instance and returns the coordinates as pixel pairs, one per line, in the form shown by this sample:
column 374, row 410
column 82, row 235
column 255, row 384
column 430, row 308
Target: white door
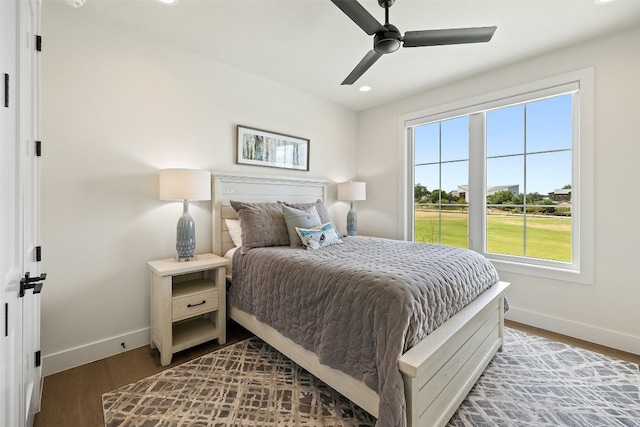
column 11, row 249
column 19, row 213
column 28, row 94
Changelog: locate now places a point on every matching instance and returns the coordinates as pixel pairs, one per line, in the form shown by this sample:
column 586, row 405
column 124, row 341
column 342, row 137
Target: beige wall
column 116, row 107
column 608, row 311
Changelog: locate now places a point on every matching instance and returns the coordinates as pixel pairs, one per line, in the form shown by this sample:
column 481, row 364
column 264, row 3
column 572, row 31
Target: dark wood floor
column 73, row 398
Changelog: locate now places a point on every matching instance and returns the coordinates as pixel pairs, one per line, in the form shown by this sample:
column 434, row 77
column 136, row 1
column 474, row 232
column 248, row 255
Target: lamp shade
column 351, row 191
column 185, row 184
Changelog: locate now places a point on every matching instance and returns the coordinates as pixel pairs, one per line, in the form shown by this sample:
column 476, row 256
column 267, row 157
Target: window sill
column 562, row 274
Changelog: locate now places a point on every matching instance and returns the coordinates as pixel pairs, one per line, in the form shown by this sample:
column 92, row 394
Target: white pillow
column 235, row 231
column 229, row 256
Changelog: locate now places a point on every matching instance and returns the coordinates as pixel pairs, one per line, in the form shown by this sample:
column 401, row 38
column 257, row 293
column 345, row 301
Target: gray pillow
column 262, row 224
column 320, row 207
column 299, row 218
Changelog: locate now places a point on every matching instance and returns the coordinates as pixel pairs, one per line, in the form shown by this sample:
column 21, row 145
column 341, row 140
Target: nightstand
column 188, row 303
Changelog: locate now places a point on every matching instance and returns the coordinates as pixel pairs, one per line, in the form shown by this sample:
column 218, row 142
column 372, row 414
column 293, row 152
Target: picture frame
column 259, row 147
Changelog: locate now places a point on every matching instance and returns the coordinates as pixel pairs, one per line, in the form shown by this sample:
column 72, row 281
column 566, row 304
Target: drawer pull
column 195, row 305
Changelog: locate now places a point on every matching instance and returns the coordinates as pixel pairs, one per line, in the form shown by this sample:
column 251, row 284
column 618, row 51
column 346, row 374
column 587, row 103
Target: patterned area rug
column 534, row 382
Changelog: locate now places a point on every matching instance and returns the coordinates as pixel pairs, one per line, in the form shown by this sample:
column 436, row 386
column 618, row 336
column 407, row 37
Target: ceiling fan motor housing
column 387, row 41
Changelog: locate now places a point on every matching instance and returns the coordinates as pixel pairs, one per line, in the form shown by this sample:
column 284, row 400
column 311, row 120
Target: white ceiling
column 312, row 46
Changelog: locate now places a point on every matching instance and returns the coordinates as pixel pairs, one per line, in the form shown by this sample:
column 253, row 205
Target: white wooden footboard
column 440, row 371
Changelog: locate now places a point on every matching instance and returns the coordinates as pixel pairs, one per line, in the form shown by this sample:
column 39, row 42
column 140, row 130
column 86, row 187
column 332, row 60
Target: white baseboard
column 81, row 355
column 590, row 333
column 67, row 359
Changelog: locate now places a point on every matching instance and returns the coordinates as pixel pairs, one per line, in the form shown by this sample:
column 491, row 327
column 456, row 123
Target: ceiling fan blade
column 369, row 59
column 450, row 36
column 359, row 15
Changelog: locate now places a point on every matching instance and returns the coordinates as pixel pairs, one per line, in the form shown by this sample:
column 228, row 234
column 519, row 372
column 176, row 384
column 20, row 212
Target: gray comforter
column 361, row 304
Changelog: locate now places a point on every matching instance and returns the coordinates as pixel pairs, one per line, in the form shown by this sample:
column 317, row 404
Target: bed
column 436, row 372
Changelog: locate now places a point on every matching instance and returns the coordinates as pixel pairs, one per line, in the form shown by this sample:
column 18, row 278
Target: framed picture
column 264, row 148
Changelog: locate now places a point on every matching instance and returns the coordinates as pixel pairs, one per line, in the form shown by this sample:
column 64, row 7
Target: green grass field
column 548, row 237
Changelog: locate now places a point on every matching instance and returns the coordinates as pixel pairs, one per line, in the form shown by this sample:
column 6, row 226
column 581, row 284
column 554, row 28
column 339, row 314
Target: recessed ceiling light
column 169, row 2
column 364, row 88
column 604, row 1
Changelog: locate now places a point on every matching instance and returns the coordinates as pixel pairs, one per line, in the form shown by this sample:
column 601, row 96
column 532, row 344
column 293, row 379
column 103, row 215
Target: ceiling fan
column 387, row 37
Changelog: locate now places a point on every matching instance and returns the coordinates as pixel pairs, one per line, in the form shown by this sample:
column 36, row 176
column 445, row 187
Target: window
column 441, row 161
column 508, row 177
column 528, row 165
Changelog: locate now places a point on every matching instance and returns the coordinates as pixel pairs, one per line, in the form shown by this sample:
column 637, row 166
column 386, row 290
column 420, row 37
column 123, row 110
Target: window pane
column 455, row 139
column 547, row 172
column 454, row 175
column 428, row 176
column 455, row 220
column 549, row 237
column 440, row 184
column 426, row 227
column 549, row 211
column 505, row 131
column 505, row 232
column 455, row 227
column 505, row 174
column 427, row 143
column 549, row 124
column 530, row 226
column 427, row 224
column 505, row 221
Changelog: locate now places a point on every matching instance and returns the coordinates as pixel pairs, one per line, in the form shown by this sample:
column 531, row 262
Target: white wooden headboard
column 254, row 188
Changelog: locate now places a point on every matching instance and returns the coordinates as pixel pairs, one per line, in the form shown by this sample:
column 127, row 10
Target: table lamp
column 352, row 191
column 185, row 185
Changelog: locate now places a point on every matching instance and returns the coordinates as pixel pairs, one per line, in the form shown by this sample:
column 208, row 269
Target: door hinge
column 39, row 43
column 38, row 359
column 6, row 319
column 6, row 90
column 38, row 148
column 38, row 253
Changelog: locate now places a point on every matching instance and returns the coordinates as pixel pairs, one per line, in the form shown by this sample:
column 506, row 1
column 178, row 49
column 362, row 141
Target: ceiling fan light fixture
column 364, row 88
column 387, row 41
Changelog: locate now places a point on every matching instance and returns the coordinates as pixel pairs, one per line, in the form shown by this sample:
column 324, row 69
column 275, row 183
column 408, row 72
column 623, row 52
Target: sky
column 545, row 125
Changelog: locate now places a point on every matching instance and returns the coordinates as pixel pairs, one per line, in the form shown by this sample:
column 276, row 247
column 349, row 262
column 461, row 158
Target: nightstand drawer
column 192, row 305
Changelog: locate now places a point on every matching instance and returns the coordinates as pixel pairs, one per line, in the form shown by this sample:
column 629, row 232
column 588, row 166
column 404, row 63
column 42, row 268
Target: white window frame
column 580, row 270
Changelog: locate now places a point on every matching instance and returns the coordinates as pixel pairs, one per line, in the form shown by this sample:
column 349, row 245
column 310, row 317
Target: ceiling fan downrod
column 387, row 41
column 386, row 12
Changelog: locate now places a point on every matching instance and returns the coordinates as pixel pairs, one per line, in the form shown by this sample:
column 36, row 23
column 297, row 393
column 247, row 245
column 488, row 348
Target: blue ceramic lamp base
column 186, row 235
column 352, row 222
